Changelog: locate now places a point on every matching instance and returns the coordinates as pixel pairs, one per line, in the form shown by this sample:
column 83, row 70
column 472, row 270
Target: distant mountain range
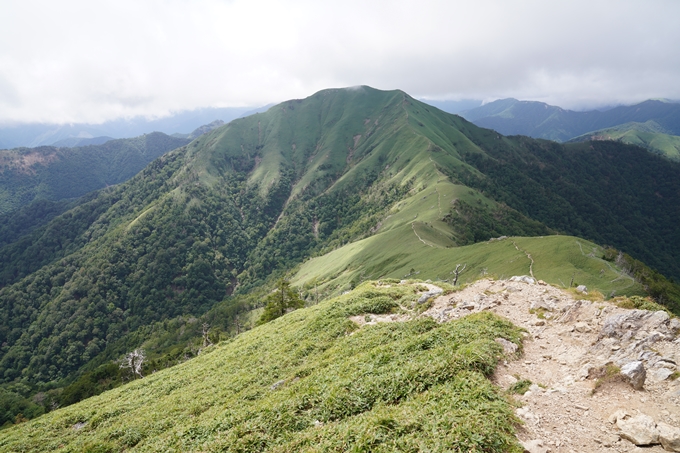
column 33, row 135
column 58, row 173
column 539, row 120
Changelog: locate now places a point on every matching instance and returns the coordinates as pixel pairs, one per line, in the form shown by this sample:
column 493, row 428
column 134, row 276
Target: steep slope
column 245, row 203
column 378, row 370
column 309, row 381
column 540, row 120
column 51, row 173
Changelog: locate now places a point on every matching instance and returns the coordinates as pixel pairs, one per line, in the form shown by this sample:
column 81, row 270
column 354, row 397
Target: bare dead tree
column 457, row 271
column 237, row 323
column 134, row 361
column 206, row 335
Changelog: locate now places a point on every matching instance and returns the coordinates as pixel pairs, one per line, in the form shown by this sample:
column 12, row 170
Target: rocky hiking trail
column 583, row 359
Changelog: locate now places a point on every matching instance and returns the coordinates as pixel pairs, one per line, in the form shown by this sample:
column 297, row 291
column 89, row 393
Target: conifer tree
column 283, row 299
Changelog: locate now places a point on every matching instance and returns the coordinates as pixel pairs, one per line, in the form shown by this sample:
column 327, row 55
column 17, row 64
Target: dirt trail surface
column 572, row 406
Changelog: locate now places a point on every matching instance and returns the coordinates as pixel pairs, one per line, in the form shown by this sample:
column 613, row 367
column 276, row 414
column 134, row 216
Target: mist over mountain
column 33, row 135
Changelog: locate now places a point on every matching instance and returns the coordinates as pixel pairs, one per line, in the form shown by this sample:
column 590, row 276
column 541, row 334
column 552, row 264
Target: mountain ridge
column 540, row 120
column 209, row 225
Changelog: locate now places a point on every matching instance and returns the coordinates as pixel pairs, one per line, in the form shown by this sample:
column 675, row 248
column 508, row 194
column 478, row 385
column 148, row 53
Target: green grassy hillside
column 413, row 241
column 647, row 135
column 309, row 381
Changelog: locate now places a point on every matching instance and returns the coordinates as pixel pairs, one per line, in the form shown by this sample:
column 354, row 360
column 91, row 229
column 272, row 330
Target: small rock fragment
column 621, row 413
column 582, row 327
column 582, row 289
column 535, row 446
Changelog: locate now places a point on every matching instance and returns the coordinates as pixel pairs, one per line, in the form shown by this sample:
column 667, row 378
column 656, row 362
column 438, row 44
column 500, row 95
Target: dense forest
column 52, row 173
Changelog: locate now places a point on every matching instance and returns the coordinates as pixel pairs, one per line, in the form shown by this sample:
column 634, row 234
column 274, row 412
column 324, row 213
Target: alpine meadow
column 351, row 202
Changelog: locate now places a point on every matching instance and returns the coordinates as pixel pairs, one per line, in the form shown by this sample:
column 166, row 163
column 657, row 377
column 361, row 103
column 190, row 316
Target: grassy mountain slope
column 414, row 240
column 647, row 135
column 539, row 120
column 51, row 173
column 310, row 381
column 213, row 222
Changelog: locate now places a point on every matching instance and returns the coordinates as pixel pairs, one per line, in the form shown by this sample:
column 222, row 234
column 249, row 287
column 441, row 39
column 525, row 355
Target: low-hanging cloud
column 80, row 61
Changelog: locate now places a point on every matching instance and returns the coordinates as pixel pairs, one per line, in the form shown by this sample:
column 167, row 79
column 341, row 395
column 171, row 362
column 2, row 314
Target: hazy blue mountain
column 200, row 130
column 80, row 141
column 540, row 120
column 33, row 135
column 454, row 106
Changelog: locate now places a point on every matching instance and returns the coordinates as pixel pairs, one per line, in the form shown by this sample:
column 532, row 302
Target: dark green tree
column 283, row 299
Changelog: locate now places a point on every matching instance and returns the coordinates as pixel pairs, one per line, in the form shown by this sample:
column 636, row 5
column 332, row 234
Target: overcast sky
column 90, row 61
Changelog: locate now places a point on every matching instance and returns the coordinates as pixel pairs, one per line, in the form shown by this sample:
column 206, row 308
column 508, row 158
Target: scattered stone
column 78, row 426
column 535, row 446
column 510, row 379
column 662, row 374
column 560, row 352
column 621, row 413
column 582, row 289
column 635, row 374
column 431, row 293
column 610, row 441
column 535, row 388
column 640, row 430
column 669, row 436
column 541, row 305
column 278, row 384
column 523, row 279
column 509, row 347
column 582, row 327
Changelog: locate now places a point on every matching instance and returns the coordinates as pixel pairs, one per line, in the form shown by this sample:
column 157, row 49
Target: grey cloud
column 88, row 62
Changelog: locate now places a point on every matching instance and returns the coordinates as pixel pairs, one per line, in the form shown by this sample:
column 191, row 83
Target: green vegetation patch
column 311, row 380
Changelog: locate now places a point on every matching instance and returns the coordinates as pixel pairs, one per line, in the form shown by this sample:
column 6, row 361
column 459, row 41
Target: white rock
column 429, row 294
column 662, row 374
column 582, row 327
column 640, row 430
column 582, row 289
column 669, row 436
column 635, row 373
column 508, row 346
column 621, row 413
